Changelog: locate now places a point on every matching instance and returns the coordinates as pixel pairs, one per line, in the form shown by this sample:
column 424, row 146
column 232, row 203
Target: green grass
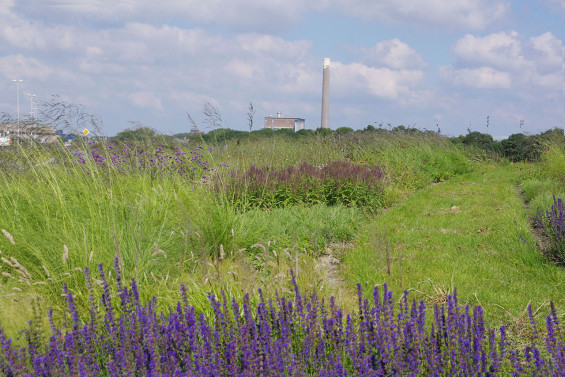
column 552, row 164
column 166, row 231
column 544, row 180
column 462, row 234
column 453, row 219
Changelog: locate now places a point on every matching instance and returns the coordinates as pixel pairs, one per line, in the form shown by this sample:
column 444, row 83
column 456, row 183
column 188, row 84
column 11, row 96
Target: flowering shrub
column 302, row 336
column 156, row 159
column 338, row 182
column 553, row 225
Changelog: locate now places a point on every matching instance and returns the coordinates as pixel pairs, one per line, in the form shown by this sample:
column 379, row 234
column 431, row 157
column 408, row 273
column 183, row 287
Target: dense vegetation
column 281, row 337
column 229, row 216
column 517, row 147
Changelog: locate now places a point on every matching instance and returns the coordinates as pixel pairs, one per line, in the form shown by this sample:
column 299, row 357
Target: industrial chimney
column 326, row 94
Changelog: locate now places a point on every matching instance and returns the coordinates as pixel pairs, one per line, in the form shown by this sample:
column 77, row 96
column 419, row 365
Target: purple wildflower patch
column 298, row 336
column 338, row 182
column 158, row 160
column 553, row 225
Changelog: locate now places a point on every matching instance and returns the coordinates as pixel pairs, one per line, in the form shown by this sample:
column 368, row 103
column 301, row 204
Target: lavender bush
column 338, row 182
column 553, row 225
column 302, row 336
column 158, row 160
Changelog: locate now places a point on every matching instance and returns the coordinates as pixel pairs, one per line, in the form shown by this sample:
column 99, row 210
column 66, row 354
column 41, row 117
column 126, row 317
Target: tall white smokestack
column 326, row 94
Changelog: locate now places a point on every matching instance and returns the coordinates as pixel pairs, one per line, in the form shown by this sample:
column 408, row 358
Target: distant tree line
column 517, row 147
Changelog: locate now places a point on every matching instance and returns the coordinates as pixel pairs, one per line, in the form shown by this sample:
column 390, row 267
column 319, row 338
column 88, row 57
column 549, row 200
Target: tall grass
column 409, row 162
column 553, row 162
column 66, row 215
column 153, row 205
column 66, row 209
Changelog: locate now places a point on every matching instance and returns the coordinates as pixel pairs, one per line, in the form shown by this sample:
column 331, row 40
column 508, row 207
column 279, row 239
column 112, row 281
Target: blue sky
column 421, row 63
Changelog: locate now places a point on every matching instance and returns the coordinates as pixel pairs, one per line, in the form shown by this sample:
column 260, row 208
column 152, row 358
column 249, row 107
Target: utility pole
column 488, row 121
column 30, row 104
column 18, row 82
column 326, row 94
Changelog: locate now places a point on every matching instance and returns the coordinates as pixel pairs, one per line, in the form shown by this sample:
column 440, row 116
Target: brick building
column 280, row 122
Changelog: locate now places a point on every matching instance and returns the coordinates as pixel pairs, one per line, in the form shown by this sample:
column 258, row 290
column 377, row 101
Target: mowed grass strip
column 464, row 234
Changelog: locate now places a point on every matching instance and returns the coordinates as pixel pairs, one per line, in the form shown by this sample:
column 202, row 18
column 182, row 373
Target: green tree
column 323, row 131
column 305, row 132
column 519, row 147
column 140, row 133
column 555, row 135
column 479, row 140
column 287, row 132
column 343, row 130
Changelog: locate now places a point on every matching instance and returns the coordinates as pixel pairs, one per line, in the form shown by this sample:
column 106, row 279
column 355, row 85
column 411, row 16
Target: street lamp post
column 30, row 104
column 18, row 82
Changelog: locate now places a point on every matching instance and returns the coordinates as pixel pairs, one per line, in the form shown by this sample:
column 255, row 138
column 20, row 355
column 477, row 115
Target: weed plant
column 338, row 182
column 534, row 187
column 291, row 336
column 553, row 224
column 553, row 162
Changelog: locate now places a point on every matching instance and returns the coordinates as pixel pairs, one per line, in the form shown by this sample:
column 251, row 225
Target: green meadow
column 418, row 211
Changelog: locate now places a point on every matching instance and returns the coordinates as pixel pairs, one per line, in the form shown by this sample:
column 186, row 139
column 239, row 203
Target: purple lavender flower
column 300, row 336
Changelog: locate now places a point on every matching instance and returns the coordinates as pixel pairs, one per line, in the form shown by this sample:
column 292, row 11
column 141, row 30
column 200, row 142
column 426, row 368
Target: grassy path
column 462, row 234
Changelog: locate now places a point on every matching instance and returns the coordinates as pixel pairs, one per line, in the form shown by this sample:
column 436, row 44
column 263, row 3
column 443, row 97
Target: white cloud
column 506, row 60
column 21, row 67
column 478, row 78
column 244, row 70
column 241, row 14
column 385, row 83
column 5, row 6
column 557, row 3
column 547, row 52
column 274, row 14
column 461, row 14
column 257, row 44
column 93, row 50
column 191, row 100
column 22, row 34
column 394, row 54
column 145, row 99
column 501, row 50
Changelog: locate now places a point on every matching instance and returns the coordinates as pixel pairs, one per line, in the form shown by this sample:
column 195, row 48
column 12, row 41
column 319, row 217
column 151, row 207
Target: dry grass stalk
column 65, row 254
column 158, row 251
column 21, row 269
column 8, row 236
column 46, row 271
column 260, row 246
column 4, row 273
column 7, row 262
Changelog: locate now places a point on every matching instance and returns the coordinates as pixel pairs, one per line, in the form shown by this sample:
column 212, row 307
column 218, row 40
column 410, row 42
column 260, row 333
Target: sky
column 426, row 64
